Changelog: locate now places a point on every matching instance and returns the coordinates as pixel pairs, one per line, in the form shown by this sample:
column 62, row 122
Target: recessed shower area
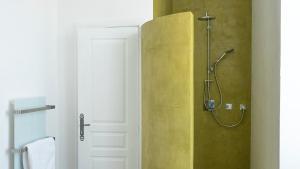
column 196, row 85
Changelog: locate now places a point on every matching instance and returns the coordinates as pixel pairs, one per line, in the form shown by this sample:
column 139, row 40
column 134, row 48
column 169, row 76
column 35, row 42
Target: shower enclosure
column 196, row 86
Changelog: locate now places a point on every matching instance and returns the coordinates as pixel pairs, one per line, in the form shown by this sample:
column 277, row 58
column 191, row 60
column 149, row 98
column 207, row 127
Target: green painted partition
column 168, row 92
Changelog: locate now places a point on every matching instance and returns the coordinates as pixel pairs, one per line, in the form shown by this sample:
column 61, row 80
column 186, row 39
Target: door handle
column 82, row 125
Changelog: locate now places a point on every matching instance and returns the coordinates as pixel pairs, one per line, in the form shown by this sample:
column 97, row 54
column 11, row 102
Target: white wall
column 290, row 86
column 85, row 12
column 265, row 84
column 28, row 60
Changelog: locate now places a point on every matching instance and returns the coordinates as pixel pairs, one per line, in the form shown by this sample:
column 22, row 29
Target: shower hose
column 213, row 111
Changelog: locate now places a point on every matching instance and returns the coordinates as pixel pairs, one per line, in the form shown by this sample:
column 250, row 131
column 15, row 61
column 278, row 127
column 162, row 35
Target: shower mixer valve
column 211, row 105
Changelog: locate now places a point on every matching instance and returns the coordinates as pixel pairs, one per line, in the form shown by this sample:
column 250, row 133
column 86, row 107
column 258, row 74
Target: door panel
column 109, row 73
column 108, row 97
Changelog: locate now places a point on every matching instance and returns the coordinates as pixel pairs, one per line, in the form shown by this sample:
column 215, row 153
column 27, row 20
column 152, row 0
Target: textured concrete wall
column 162, row 7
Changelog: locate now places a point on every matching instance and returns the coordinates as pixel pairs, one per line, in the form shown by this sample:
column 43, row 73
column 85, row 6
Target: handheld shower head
column 229, row 51
column 224, row 54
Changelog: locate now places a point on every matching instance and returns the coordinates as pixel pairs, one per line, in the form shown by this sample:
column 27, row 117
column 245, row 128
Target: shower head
column 229, row 51
column 206, row 17
column 224, row 54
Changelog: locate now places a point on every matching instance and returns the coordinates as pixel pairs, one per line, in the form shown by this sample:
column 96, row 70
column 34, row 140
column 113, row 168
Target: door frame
column 81, row 27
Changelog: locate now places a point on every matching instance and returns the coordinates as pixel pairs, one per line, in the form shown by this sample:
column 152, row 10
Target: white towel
column 40, row 154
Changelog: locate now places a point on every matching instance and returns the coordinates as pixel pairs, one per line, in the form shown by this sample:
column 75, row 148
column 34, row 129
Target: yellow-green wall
column 217, row 147
column 162, row 7
column 168, row 92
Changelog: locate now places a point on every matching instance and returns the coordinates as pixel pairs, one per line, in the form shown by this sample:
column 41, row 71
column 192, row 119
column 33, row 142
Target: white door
column 108, row 98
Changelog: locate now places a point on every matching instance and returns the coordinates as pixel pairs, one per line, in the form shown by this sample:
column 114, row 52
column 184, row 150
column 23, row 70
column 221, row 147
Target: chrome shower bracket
column 208, row 81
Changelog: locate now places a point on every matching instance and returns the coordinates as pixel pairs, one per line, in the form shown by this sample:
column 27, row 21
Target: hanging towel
column 40, row 154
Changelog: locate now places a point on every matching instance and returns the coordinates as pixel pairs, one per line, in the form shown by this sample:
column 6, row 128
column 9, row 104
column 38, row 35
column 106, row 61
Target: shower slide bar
column 23, row 111
column 22, row 150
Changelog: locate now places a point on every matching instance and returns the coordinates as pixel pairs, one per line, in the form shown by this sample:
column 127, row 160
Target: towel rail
column 23, row 111
column 22, row 150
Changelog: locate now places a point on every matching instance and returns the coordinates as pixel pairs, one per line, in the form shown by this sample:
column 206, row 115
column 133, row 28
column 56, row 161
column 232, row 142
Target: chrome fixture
column 36, row 109
column 82, row 125
column 206, row 17
column 23, row 150
column 208, row 102
column 224, row 54
column 228, row 106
